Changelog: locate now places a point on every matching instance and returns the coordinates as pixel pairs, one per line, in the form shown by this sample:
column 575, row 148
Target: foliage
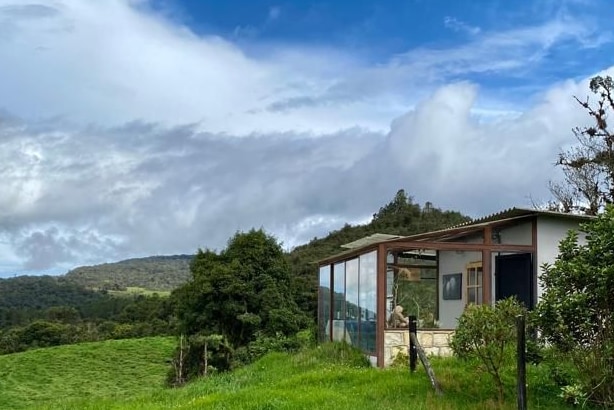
column 240, row 294
column 487, row 334
column 588, row 167
column 155, row 273
column 134, row 317
column 576, row 311
column 41, row 292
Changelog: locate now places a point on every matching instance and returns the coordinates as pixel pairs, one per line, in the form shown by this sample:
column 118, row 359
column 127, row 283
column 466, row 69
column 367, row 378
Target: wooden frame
column 475, row 283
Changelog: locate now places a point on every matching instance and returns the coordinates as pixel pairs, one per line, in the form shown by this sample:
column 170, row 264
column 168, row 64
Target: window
column 474, row 283
column 324, row 304
column 367, row 300
column 347, row 304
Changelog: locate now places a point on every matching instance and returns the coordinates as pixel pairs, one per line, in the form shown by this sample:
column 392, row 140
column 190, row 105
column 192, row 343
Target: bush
column 576, row 311
column 487, row 334
column 264, row 344
column 198, row 355
column 339, row 353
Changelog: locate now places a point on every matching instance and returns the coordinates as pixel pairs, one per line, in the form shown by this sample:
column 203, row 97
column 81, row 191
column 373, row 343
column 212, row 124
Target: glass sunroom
column 367, row 291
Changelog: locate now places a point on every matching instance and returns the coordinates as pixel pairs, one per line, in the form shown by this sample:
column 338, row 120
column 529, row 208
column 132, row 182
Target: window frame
column 476, row 268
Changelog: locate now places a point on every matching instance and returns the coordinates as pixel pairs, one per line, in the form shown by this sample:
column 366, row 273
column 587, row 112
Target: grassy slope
column 128, row 375
column 114, row 368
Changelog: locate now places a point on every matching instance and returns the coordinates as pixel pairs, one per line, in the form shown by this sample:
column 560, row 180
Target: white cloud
column 457, row 25
column 123, row 134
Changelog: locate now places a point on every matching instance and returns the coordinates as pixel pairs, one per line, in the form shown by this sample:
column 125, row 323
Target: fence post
column 521, row 363
column 413, row 352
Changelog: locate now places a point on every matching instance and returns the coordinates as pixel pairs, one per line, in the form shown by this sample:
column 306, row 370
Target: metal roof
column 509, row 215
column 516, row 212
column 368, row 240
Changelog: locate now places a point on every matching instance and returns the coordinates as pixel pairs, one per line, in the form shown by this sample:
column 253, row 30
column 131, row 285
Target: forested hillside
column 42, row 292
column 401, row 216
column 161, row 273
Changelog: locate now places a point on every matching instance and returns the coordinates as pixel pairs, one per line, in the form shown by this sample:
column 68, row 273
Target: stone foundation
column 435, row 342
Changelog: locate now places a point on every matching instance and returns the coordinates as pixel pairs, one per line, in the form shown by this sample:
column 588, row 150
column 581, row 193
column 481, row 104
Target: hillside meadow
column 129, row 374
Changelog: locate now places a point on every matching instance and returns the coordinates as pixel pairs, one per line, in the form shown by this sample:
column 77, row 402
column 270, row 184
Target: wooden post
column 413, row 352
column 521, row 363
column 427, row 365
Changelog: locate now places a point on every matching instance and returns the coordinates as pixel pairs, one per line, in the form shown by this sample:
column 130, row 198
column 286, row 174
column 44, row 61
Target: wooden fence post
column 413, row 353
column 521, row 363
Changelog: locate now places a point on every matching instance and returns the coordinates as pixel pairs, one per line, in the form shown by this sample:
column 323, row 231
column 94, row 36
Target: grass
column 128, row 374
column 135, row 290
column 114, row 369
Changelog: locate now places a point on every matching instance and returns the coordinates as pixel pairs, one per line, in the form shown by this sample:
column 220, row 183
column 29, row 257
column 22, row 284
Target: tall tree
column 588, row 167
column 243, row 292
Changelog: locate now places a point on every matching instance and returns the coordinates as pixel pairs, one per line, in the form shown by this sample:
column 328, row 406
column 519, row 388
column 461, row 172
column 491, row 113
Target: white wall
column 550, row 231
column 453, row 262
column 517, row 234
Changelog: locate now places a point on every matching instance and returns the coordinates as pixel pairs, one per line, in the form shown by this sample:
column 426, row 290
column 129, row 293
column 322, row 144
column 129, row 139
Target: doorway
column 514, row 277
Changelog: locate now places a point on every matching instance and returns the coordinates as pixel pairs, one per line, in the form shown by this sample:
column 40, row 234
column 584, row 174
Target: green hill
column 128, row 374
column 41, row 292
column 116, row 369
column 154, row 273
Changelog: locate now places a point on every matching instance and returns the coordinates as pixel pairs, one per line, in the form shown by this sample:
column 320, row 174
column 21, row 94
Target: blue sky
column 377, row 31
column 137, row 127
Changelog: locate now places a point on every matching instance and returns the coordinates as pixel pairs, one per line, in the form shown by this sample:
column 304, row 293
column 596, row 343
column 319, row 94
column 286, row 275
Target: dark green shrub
column 576, row 311
column 487, row 334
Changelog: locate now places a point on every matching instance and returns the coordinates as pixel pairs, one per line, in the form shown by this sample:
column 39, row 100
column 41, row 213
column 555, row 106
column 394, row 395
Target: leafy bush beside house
column 576, row 310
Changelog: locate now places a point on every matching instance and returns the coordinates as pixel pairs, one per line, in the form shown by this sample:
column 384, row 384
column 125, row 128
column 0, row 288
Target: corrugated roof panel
column 368, row 240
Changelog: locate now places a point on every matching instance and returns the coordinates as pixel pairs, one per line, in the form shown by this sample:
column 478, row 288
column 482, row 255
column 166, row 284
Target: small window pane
column 471, row 295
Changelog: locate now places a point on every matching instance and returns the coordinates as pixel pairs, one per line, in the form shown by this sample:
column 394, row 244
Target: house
column 366, row 291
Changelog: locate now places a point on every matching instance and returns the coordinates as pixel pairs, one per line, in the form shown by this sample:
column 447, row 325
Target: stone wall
column 434, row 342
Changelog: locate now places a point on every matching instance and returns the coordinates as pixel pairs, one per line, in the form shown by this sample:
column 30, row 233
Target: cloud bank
column 124, row 134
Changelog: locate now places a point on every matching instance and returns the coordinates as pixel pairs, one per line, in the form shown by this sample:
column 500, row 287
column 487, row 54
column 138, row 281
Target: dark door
column 514, row 277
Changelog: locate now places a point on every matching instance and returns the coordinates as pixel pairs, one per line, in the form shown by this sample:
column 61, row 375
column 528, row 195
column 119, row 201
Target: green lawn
column 128, row 374
column 114, row 369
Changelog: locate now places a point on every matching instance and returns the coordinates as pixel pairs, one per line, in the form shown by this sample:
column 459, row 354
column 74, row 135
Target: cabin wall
column 550, row 232
column 456, row 261
column 453, row 262
column 520, row 234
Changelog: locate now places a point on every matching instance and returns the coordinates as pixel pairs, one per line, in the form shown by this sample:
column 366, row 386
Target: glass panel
column 471, row 280
column 479, row 300
column 367, row 300
column 391, row 292
column 339, row 302
column 324, row 304
column 470, row 295
column 479, row 274
column 413, row 294
column 352, row 313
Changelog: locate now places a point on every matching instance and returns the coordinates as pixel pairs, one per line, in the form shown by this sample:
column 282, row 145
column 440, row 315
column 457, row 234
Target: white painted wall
column 453, row 262
column 550, row 231
column 517, row 234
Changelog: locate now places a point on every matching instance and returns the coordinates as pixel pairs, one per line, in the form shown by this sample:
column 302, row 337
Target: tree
column 240, row 294
column 588, row 167
column 576, row 311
